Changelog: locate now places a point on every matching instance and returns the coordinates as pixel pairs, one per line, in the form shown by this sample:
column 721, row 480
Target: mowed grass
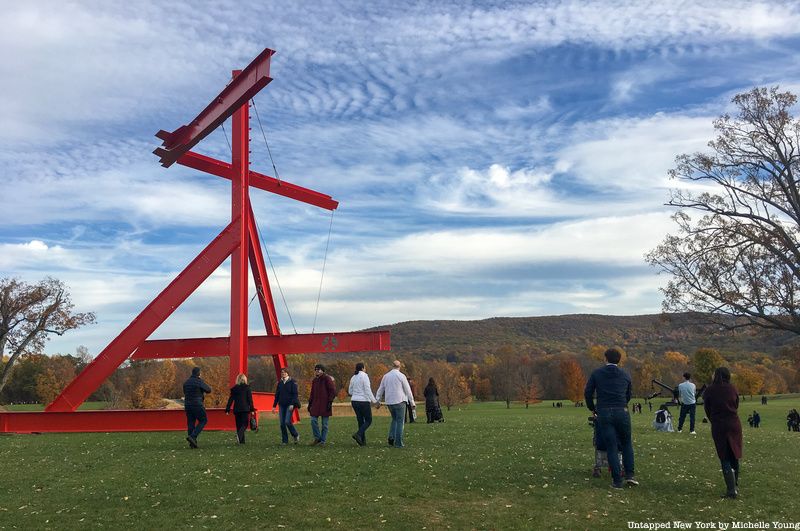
column 486, row 467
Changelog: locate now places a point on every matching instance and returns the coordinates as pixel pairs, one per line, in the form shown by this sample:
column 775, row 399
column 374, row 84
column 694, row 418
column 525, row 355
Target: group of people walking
column 611, row 387
column 394, row 390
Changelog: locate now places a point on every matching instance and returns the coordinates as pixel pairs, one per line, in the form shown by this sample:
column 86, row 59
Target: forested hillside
column 638, row 335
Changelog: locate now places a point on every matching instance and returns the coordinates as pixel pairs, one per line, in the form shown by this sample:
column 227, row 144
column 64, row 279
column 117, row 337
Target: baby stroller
column 435, row 414
column 600, row 452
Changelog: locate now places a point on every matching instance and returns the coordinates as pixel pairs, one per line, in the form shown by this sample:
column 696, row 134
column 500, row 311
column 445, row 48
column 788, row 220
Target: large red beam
column 266, row 345
column 108, row 420
column 258, row 180
column 146, row 322
column 253, row 78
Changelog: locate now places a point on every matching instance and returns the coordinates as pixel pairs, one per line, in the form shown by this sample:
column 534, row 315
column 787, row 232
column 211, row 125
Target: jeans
column 196, row 420
column 320, row 435
column 687, row 408
column 363, row 412
column 612, row 424
column 285, row 418
column 398, row 412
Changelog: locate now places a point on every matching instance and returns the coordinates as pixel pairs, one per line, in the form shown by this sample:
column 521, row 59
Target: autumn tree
column 574, row 379
column 453, row 388
column 704, row 362
column 738, row 263
column 150, row 382
column 22, row 387
column 528, row 388
column 29, row 313
column 747, row 380
column 503, row 369
column 58, row 371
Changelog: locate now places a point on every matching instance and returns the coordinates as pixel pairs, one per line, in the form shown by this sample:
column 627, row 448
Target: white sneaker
column 693, row 432
column 680, row 431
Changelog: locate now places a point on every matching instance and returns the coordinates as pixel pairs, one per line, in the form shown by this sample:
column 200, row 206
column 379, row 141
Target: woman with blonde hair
column 242, row 400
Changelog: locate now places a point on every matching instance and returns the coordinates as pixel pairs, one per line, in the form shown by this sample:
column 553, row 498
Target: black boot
column 730, row 484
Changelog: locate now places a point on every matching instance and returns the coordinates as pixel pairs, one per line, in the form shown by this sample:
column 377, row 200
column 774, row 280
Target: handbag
column 254, row 421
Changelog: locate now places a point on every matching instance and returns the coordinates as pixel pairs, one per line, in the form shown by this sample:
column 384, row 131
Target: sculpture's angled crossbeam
column 253, row 78
column 266, row 345
column 263, row 182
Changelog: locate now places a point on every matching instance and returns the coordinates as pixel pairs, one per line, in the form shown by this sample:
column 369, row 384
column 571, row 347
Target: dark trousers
column 242, row 422
column 409, row 413
column 729, row 461
column 614, row 427
column 690, row 409
column 363, row 412
column 196, row 420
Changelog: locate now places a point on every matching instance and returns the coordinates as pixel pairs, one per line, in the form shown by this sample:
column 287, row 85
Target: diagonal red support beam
column 253, row 78
column 266, row 345
column 147, row 321
column 258, row 180
column 261, row 280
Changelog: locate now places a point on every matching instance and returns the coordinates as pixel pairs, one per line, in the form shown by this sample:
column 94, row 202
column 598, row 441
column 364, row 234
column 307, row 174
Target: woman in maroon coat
column 320, row 403
column 721, row 402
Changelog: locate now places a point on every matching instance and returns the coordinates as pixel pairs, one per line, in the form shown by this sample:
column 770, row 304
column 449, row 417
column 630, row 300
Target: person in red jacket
column 320, row 403
column 721, row 402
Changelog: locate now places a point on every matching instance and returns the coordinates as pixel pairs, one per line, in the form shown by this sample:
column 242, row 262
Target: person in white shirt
column 686, row 394
column 397, row 394
column 361, row 399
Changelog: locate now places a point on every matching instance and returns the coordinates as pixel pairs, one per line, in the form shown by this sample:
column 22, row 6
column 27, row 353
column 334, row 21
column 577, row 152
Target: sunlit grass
column 485, row 467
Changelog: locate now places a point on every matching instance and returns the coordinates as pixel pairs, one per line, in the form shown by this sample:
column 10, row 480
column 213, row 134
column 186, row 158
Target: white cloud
column 632, row 153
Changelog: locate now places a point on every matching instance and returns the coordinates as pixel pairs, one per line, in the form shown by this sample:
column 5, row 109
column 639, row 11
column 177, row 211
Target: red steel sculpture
column 240, row 241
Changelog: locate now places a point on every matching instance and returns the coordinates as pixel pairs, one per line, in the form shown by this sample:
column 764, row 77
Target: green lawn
column 486, row 467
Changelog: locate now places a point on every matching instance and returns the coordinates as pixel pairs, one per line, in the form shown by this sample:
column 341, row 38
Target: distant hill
column 638, row 335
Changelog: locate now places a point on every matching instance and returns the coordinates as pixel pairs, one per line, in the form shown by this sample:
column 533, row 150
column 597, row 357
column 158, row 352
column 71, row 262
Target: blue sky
column 490, row 158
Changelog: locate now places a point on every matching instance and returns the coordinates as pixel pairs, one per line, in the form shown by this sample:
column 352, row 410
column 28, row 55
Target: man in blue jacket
column 194, row 390
column 286, row 399
column 613, row 388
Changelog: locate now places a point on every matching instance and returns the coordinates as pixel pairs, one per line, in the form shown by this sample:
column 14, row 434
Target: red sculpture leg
column 240, row 211
column 146, row 322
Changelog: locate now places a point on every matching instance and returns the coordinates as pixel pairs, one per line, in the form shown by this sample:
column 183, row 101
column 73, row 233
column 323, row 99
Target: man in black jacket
column 613, row 387
column 194, row 390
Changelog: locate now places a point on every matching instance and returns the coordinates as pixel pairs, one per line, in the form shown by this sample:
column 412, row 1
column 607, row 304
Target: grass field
column 486, row 467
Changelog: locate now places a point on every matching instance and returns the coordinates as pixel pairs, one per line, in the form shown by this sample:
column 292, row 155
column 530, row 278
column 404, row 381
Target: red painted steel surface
column 252, row 79
column 145, row 323
column 266, row 345
column 261, row 280
column 258, row 180
column 240, row 241
column 110, row 420
column 240, row 212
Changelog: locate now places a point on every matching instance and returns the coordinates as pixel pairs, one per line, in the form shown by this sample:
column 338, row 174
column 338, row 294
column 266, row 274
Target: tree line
column 510, row 374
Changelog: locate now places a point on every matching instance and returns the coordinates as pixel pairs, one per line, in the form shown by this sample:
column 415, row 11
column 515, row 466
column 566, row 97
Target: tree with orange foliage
column 58, row 372
column 151, row 381
column 748, row 381
column 453, row 388
column 574, row 379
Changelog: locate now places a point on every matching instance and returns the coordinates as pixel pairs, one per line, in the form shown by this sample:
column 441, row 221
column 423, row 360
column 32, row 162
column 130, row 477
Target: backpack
column 661, row 416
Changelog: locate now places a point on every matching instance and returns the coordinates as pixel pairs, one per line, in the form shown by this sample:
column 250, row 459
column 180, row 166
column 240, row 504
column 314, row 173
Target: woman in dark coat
column 431, row 400
column 242, row 400
column 721, row 402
